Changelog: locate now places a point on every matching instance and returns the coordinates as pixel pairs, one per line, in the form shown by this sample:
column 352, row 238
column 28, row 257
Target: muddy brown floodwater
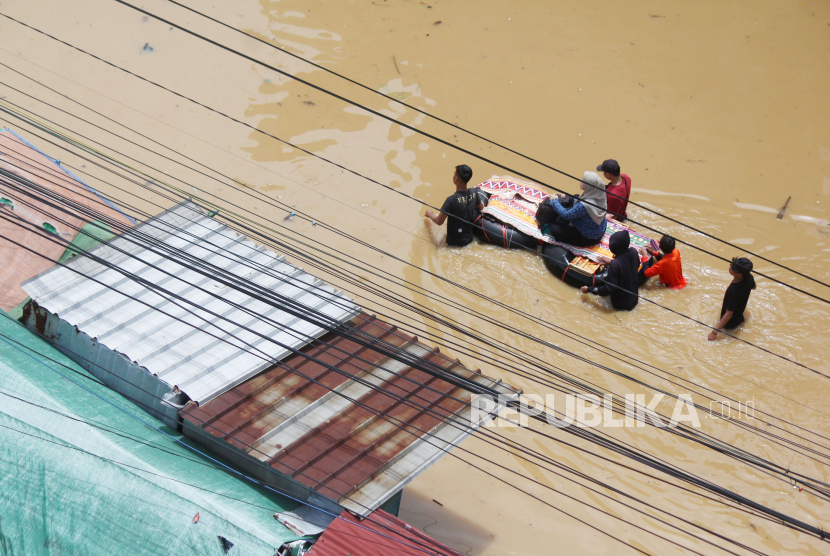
column 717, row 110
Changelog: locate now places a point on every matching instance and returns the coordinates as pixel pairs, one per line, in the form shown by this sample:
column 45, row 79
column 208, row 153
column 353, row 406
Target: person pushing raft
column 460, row 208
column 621, row 280
column 666, row 265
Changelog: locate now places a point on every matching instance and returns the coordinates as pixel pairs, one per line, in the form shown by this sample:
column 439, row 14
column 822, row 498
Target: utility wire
column 626, row 495
column 700, row 407
column 205, row 167
column 476, row 135
column 400, row 192
column 65, row 138
column 470, row 153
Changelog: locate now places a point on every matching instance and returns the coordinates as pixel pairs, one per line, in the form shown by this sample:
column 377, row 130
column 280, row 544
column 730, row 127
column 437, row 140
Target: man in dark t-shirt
column 736, row 296
column 460, row 208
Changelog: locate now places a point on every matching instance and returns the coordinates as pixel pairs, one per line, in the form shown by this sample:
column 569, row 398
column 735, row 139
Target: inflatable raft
column 490, row 230
column 508, row 220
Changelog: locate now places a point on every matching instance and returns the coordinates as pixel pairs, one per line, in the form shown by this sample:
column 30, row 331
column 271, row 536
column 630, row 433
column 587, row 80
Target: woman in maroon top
column 618, row 189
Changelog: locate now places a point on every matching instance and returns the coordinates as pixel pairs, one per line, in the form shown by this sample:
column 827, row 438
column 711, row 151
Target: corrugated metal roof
column 21, row 158
column 180, row 347
column 381, row 535
column 324, row 429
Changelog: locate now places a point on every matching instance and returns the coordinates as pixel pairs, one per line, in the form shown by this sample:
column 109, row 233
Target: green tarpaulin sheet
column 79, row 476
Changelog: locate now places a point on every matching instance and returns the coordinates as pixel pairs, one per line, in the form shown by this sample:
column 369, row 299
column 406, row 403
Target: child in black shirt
column 736, row 296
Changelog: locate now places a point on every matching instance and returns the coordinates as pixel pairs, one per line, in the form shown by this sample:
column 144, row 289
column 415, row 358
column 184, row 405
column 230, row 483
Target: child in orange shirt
column 666, row 265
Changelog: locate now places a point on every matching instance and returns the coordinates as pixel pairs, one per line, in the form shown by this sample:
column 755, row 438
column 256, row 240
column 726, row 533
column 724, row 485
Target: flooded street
column 718, row 112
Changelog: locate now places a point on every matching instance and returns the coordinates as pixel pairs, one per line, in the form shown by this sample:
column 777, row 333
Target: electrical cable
column 470, row 153
column 401, row 193
column 111, row 120
column 698, row 321
column 649, row 505
column 701, row 407
column 477, row 136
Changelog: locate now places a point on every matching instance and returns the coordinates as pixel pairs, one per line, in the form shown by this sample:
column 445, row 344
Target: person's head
column 618, row 242
column 609, row 168
column 666, row 244
column 594, row 183
column 741, row 266
column 463, row 174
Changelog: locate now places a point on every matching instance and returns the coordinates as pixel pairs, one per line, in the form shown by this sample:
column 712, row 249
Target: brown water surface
column 717, row 110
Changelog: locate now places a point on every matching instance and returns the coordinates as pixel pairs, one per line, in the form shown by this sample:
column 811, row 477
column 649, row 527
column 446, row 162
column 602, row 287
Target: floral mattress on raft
column 514, row 202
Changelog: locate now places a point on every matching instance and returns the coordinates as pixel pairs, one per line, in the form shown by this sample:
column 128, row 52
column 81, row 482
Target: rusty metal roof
column 382, row 534
column 21, row 158
column 318, row 422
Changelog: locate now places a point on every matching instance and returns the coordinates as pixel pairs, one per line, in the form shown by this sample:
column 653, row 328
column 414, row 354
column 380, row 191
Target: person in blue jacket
column 584, row 223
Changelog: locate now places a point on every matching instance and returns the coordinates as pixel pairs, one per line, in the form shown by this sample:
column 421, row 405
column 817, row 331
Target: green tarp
column 79, row 476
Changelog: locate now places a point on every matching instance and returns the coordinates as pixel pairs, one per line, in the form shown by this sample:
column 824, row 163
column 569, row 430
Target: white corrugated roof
column 188, row 345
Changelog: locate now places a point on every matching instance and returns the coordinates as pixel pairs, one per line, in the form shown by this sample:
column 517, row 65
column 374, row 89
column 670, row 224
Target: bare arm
column 719, row 326
column 437, row 218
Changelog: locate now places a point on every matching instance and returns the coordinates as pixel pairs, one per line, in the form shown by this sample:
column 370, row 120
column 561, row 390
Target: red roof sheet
column 334, row 443
column 381, row 534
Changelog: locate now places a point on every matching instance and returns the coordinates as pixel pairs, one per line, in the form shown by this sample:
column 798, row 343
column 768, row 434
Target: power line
column 700, row 407
column 337, row 231
column 72, row 141
column 671, row 472
column 470, row 153
column 465, row 130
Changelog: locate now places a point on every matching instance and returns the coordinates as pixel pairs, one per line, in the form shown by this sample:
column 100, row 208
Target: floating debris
column 147, row 47
column 289, row 218
column 781, row 213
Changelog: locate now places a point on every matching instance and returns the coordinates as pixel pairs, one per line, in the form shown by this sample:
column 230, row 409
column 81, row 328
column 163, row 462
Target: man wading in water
column 461, row 209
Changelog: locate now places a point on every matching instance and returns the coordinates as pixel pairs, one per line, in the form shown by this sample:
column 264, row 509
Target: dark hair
column 743, row 266
column 666, row 244
column 465, row 173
